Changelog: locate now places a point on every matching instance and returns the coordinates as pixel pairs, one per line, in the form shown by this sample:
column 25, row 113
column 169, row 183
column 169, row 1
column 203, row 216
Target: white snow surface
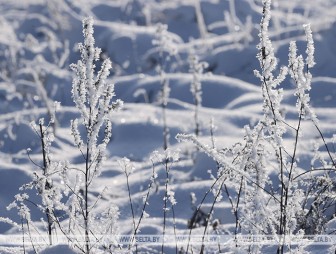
column 38, row 42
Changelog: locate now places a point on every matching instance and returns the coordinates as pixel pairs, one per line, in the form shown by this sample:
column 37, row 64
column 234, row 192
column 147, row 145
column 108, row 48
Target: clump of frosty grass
column 295, row 202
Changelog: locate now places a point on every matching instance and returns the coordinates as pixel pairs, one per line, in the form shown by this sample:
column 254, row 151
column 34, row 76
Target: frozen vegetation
column 167, row 126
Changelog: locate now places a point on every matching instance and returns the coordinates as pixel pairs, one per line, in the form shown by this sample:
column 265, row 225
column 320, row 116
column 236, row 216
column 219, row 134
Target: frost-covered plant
column 93, row 96
column 226, row 171
column 167, row 159
column 167, row 49
column 299, row 200
column 290, row 194
column 164, row 42
column 128, row 168
column 319, row 196
column 273, row 120
column 196, row 68
column 45, row 183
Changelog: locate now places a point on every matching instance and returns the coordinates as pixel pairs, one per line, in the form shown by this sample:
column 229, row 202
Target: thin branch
column 314, row 170
column 209, row 214
column 32, row 161
column 325, row 144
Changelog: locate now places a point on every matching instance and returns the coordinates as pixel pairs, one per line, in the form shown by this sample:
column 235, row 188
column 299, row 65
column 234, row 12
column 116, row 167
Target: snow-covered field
column 38, row 42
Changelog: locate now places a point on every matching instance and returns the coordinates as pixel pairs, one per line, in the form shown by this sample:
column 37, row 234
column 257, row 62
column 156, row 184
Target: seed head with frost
column 310, row 60
column 164, row 40
column 299, row 70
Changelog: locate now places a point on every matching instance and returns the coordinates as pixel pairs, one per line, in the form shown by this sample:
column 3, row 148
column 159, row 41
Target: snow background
column 38, row 42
